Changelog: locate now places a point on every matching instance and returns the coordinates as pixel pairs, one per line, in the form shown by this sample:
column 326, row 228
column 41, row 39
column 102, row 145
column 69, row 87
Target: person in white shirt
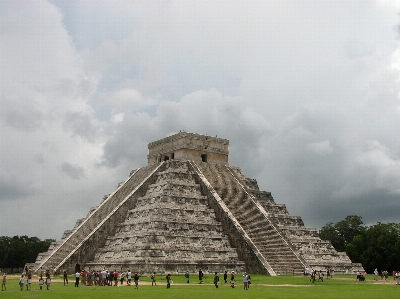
column 21, row 282
column 128, row 277
column 103, row 277
column 376, row 273
column 77, row 275
column 245, row 281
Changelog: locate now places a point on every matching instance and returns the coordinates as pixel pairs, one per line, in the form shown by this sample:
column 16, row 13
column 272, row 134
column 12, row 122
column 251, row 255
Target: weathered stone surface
column 188, row 209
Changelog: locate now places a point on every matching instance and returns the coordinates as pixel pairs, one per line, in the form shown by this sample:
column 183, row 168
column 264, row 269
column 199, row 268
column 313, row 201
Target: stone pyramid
column 189, row 210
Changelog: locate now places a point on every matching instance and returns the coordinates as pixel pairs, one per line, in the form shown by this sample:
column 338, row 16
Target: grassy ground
column 341, row 286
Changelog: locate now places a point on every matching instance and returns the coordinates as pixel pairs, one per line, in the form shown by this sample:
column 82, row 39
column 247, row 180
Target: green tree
column 343, row 232
column 329, row 232
column 377, row 247
column 16, row 251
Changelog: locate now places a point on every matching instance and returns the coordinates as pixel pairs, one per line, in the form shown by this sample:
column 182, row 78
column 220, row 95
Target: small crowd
column 114, row 278
column 103, row 278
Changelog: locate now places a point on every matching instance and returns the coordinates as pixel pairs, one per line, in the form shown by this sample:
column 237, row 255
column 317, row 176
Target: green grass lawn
column 341, row 286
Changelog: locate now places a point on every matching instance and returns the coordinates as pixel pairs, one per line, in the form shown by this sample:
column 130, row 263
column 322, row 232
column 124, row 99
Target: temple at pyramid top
column 189, row 146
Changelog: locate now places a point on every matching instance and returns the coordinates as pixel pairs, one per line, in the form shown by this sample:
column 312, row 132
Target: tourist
column 321, row 276
column 21, row 282
column 225, row 276
column 121, row 280
column 115, row 278
column 232, row 279
column 200, row 276
column 187, row 276
column 110, row 278
column 103, row 277
column 216, row 279
column 136, row 280
column 398, row 278
column 28, row 283
column 313, row 274
column 376, row 273
column 29, row 280
column 41, row 282
column 245, row 281
column 107, row 278
column 92, row 277
column 83, row 277
column 153, row 279
column 248, row 281
column 3, row 284
column 48, row 281
column 385, row 274
column 305, row 272
column 328, row 273
column 65, row 274
column 129, row 277
column 77, row 275
column 97, row 275
column 168, row 278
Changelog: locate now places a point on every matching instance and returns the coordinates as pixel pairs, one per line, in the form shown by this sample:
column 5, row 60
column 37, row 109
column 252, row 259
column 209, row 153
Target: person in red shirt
column 115, row 278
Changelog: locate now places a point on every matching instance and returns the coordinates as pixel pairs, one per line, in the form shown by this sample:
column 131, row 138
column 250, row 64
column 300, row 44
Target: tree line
column 16, row 251
column 374, row 246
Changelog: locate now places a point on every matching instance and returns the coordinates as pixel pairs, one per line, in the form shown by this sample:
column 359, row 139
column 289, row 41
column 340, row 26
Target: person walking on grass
column 21, row 282
column 216, row 279
column 48, row 281
column 41, row 282
column 65, row 275
column 201, row 276
column 153, row 279
column 128, row 277
column 187, row 276
column 136, row 280
column 232, row 279
column 168, row 278
column 115, row 278
column 28, row 283
column 245, row 281
column 121, row 280
column 3, row 284
column 77, row 275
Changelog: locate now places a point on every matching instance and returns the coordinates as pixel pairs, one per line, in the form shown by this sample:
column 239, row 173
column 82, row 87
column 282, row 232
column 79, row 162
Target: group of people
column 102, row 278
column 246, row 279
column 385, row 275
column 28, row 277
column 360, row 276
column 315, row 273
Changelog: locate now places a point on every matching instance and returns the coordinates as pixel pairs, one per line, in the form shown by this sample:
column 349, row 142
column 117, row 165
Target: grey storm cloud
column 73, row 171
column 13, row 188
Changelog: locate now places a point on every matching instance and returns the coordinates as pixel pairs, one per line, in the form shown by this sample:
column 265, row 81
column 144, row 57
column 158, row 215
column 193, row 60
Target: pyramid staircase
column 171, row 229
column 267, row 239
column 317, row 253
column 88, row 234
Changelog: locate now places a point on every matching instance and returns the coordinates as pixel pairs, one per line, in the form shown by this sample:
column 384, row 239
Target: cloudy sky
column 307, row 92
